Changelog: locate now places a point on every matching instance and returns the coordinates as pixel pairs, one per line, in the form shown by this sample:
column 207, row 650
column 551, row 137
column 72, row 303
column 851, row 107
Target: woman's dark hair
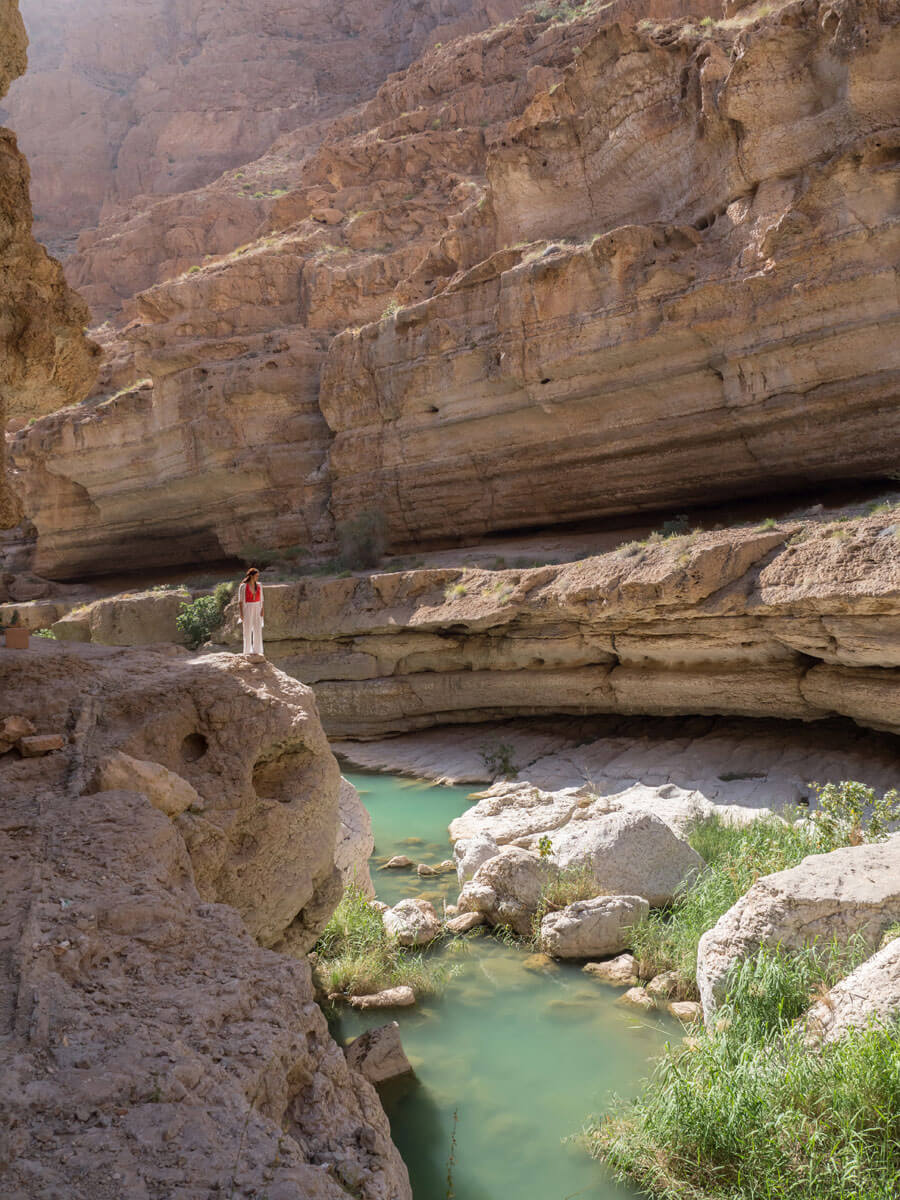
column 246, row 579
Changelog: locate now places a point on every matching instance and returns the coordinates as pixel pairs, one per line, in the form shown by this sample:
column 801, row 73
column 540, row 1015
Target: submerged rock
column 588, row 927
column 395, row 997
column 620, row 972
column 397, row 863
column 854, row 891
column 412, row 922
column 464, row 922
column 638, row 997
column 378, row 1054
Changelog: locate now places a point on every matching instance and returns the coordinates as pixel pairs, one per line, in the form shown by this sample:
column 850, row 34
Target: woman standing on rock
column 251, row 598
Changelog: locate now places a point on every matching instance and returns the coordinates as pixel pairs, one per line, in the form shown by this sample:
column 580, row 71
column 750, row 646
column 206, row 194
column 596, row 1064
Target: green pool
column 520, row 1055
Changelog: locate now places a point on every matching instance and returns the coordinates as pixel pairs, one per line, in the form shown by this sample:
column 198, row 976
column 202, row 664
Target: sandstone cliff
column 45, row 361
column 792, row 622
column 160, row 97
column 152, row 1047
column 556, row 270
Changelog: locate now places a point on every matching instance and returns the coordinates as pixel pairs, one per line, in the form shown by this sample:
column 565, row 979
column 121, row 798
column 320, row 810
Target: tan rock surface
column 785, row 623
column 45, row 360
column 150, row 1042
column 475, row 347
column 244, row 736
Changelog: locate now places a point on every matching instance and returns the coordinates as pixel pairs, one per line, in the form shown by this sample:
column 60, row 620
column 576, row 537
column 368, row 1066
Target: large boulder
column 630, row 854
column 241, row 742
column 469, row 853
column 507, row 888
column 163, row 788
column 589, row 927
column 850, row 892
column 869, row 995
column 355, row 841
column 412, row 922
column 172, row 1036
column 378, row 1054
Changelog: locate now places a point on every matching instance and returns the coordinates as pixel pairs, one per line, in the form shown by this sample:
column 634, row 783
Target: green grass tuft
column 748, row 1111
column 355, row 956
column 737, row 855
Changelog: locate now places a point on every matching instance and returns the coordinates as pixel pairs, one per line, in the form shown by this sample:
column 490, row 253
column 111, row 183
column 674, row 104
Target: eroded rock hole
column 194, row 747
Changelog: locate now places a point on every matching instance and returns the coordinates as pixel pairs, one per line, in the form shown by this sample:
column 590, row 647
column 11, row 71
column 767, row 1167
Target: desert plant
column 361, row 540
column 455, row 591
column 498, row 761
column 198, row 619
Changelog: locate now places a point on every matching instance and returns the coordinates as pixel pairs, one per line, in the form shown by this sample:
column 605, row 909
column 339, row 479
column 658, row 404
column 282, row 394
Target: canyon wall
column 157, row 98
column 152, row 1045
column 566, row 267
column 45, row 361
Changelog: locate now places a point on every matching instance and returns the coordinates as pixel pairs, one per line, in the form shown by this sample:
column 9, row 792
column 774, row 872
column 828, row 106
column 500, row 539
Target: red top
column 250, row 596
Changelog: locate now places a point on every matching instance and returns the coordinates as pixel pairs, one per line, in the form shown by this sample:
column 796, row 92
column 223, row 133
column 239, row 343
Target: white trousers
column 253, row 639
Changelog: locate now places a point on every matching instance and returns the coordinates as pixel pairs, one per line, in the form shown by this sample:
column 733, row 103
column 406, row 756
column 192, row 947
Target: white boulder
column 630, row 854
column 412, row 922
column 378, row 1054
column 470, row 853
column 869, row 995
column 507, row 888
column 590, row 927
column 851, row 891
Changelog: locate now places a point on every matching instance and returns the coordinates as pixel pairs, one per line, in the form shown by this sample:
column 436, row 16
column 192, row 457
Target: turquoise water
column 522, row 1051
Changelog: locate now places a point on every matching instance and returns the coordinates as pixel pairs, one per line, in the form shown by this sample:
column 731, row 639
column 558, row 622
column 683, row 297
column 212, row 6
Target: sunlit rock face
column 183, row 828
column 552, row 271
column 45, row 361
column 795, row 623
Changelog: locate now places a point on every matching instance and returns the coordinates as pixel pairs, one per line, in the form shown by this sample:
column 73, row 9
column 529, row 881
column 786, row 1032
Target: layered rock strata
column 523, row 286
column 45, row 361
column 151, row 1045
column 799, row 622
column 166, row 96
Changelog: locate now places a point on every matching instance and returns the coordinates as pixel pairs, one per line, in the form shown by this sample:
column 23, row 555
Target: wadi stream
column 510, row 1056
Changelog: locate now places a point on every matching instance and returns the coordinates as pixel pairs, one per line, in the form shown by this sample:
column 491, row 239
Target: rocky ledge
column 152, row 1045
column 799, row 621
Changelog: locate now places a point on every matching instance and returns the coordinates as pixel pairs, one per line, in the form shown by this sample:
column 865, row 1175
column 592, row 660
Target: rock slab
column 589, row 927
column 854, row 891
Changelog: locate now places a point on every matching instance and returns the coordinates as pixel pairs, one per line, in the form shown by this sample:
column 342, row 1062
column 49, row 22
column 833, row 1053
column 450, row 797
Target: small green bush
column 44, row 633
column 749, row 1111
column 200, row 618
column 361, row 540
column 355, row 956
column 498, row 761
